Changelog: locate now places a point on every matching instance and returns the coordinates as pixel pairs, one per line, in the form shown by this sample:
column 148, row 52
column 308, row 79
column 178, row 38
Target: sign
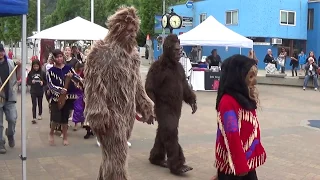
column 261, row 43
column 189, row 4
column 211, row 80
column 187, row 21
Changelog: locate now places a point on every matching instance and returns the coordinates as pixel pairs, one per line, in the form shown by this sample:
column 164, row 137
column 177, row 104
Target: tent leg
column 24, row 58
column 240, row 50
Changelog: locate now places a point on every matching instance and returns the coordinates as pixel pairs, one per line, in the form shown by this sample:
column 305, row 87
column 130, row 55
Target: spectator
column 302, row 61
column 270, row 59
column 294, row 63
column 311, row 71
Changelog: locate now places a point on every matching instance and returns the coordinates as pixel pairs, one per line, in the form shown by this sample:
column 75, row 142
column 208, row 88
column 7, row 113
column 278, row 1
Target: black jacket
column 37, row 77
column 268, row 59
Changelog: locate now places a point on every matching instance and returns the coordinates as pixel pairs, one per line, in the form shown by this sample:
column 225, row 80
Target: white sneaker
column 304, row 88
column 316, row 89
column 129, row 144
column 98, row 143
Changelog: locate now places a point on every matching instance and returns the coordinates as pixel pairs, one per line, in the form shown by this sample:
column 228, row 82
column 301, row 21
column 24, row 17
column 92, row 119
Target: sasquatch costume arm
column 144, row 104
column 149, row 84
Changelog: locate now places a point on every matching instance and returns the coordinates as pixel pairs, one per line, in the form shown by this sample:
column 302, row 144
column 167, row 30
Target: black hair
column 35, row 62
column 78, row 65
column 234, row 71
column 57, row 52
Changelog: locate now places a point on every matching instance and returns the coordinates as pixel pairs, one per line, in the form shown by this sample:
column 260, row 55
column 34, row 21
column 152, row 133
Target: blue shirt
column 302, row 58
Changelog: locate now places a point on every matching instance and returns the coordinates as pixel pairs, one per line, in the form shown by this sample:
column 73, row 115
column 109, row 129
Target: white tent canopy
column 74, row 29
column 212, row 33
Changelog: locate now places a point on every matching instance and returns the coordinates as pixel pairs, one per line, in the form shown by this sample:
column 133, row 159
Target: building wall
column 256, row 18
column 313, row 43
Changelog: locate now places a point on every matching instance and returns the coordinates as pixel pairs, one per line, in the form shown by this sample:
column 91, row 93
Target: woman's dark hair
column 36, row 62
column 233, row 80
column 57, row 52
column 78, row 66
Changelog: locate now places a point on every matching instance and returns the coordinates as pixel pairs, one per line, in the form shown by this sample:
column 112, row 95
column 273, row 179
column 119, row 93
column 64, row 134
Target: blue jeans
column 315, row 80
column 10, row 111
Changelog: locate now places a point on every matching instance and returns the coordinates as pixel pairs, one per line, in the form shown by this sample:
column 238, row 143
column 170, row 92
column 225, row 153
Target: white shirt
column 186, row 64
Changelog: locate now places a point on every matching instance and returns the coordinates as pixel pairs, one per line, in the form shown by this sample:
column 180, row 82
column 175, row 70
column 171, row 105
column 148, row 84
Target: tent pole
column 23, row 155
column 240, row 50
column 39, row 26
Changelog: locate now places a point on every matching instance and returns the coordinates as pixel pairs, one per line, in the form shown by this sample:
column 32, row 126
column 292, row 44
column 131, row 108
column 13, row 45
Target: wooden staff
column 63, row 97
column 8, row 78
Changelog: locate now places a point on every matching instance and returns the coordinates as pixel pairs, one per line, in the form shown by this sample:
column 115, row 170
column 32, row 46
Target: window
column 310, row 18
column 232, row 17
column 288, row 18
column 203, row 17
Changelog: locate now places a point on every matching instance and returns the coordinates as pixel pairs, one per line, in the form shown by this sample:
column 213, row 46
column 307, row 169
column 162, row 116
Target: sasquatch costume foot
column 183, row 169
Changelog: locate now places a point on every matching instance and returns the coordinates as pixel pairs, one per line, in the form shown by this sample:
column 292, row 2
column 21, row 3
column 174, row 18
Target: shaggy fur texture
column 166, row 85
column 114, row 92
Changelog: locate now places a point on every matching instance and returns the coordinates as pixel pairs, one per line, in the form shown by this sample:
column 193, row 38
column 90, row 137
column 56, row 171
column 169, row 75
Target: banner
column 211, row 80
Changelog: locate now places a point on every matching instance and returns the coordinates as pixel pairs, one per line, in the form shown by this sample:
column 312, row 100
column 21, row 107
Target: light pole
column 92, row 11
column 163, row 30
column 39, row 24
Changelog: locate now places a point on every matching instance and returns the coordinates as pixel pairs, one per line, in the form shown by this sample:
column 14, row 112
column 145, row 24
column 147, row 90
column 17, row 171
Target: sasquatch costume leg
column 166, row 142
column 114, row 92
column 114, row 155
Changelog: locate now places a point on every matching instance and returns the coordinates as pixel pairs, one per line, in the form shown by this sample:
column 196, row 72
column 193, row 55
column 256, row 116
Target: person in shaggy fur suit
column 114, row 92
column 167, row 86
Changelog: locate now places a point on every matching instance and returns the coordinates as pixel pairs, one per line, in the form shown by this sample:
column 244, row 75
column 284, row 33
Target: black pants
column 294, row 70
column 166, row 143
column 61, row 116
column 36, row 99
column 252, row 175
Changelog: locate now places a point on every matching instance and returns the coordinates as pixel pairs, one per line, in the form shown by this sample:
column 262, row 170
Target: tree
column 12, row 25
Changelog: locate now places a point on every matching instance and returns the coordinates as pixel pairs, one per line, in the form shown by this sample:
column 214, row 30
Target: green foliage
column 11, row 27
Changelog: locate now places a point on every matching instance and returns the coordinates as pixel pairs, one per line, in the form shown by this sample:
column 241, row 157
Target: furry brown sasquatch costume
column 166, row 85
column 114, row 92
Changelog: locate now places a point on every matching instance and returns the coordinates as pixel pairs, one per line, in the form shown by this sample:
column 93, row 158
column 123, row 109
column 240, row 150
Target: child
column 56, row 78
column 36, row 79
column 78, row 106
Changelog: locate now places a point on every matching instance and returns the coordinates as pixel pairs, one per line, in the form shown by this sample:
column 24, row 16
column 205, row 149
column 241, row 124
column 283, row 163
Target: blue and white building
column 272, row 24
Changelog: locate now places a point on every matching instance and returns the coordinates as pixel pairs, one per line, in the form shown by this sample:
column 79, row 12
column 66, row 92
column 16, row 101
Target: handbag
column 280, row 61
column 270, row 68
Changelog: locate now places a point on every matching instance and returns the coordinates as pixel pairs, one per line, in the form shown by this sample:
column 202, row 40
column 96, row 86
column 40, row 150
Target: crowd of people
column 306, row 64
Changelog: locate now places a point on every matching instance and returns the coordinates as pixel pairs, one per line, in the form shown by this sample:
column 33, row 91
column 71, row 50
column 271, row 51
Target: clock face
column 164, row 21
column 175, row 22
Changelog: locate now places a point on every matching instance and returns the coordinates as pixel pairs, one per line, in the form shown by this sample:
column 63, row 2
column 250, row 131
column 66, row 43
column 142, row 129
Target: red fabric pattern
column 238, row 146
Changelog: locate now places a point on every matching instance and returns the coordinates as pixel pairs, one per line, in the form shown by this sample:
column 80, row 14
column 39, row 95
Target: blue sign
column 189, row 4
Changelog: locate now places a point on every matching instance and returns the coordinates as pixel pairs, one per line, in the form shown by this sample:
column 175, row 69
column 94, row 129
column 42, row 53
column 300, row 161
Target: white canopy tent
column 74, row 29
column 212, row 33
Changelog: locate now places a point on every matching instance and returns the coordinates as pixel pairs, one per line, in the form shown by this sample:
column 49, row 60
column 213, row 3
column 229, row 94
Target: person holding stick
column 8, row 99
column 60, row 80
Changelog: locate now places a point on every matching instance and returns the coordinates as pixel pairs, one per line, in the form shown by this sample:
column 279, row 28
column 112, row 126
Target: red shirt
column 10, row 54
column 238, row 145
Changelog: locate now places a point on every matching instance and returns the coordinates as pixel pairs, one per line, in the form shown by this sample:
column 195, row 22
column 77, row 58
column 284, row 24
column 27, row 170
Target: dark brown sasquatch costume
column 114, row 92
column 167, row 87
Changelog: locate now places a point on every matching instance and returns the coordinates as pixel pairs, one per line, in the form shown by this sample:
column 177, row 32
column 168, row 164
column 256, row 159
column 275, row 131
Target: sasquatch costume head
column 123, row 27
column 238, row 79
column 171, row 48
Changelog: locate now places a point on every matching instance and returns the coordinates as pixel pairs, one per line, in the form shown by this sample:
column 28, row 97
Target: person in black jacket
column 37, row 80
column 270, row 59
column 294, row 63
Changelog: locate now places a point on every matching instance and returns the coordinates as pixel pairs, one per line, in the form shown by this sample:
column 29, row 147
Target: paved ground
column 292, row 148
